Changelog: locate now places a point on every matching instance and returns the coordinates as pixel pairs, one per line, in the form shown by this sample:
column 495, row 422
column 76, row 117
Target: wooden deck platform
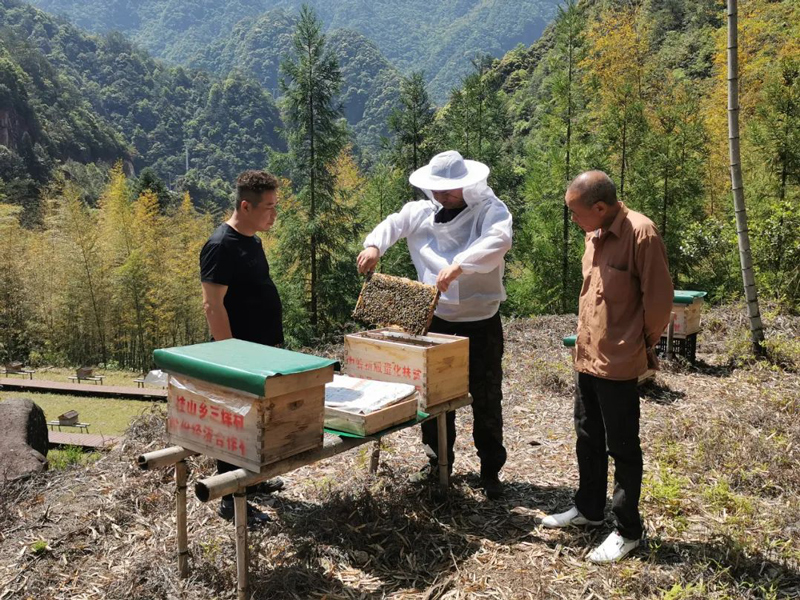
column 82, row 440
column 81, row 389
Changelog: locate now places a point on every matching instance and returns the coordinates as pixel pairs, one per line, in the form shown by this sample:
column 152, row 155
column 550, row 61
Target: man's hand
column 652, row 359
column 214, row 306
column 367, row 259
column 447, row 276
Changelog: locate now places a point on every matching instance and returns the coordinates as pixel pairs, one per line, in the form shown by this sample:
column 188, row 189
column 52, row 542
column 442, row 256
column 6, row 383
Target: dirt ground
column 720, row 500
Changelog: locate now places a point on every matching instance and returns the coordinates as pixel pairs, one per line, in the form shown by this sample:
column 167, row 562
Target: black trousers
column 485, row 385
column 607, row 423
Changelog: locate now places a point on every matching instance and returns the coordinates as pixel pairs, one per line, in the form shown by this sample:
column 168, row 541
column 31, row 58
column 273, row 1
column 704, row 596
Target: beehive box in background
column 687, row 305
column 436, row 364
column 68, row 418
column 243, row 403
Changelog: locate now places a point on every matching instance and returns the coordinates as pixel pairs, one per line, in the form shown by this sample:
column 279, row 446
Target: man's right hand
column 367, row 259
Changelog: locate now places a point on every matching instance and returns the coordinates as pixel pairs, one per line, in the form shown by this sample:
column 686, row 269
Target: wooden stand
column 242, row 556
column 236, row 482
column 165, row 458
column 181, row 473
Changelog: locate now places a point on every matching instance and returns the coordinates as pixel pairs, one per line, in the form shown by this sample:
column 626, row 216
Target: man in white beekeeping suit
column 458, row 239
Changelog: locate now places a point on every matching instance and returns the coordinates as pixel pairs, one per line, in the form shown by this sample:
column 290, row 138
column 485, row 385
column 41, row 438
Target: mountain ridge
column 440, row 39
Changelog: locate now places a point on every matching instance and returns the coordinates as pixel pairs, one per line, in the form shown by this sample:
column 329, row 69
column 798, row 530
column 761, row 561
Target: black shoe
column 267, row 487
column 254, row 516
column 492, row 487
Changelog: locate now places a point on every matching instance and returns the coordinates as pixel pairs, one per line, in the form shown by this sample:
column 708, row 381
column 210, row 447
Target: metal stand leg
column 444, row 475
column 670, row 336
column 375, row 459
column 240, row 518
column 180, row 509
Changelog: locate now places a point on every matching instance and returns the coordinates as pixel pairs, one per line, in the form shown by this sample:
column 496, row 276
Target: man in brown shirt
column 625, row 304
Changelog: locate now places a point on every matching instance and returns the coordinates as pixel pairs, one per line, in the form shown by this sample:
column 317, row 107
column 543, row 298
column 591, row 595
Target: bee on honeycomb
column 386, row 300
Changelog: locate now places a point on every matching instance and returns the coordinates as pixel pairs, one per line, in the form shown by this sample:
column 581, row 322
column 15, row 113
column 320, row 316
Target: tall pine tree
column 411, row 122
column 316, row 135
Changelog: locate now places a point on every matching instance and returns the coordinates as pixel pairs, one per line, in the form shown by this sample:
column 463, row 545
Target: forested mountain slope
column 371, row 84
column 122, row 102
column 437, row 37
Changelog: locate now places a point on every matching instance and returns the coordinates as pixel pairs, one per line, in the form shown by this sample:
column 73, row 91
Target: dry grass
column 720, row 502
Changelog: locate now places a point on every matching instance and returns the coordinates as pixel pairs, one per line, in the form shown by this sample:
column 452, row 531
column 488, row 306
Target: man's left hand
column 447, row 276
column 652, row 359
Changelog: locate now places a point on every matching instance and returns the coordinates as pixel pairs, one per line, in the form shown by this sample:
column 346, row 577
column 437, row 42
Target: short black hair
column 594, row 187
column 251, row 185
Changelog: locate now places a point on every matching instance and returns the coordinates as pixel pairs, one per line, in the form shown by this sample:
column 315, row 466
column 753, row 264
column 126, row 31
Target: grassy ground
column 721, row 501
column 107, row 416
column 65, row 458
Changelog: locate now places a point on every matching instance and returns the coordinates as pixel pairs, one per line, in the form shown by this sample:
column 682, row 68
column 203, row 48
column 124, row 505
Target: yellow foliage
column 349, row 179
column 618, row 54
column 761, row 22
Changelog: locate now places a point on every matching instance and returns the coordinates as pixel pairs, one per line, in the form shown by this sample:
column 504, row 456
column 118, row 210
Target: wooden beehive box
column 402, row 412
column 687, row 305
column 243, row 403
column 436, row 364
column 68, row 418
column 362, row 406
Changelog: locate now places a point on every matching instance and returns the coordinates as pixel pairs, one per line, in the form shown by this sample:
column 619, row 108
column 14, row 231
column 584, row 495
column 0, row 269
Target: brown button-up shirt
column 626, row 299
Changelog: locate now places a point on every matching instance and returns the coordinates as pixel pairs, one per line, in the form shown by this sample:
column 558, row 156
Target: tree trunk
column 565, row 227
column 665, row 202
column 624, row 158
column 313, row 190
column 743, row 236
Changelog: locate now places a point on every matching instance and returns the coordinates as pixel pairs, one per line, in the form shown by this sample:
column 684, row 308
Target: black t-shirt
column 445, row 215
column 252, row 301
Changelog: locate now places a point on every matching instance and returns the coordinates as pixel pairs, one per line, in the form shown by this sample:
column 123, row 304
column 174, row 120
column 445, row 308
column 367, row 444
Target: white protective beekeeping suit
column 477, row 239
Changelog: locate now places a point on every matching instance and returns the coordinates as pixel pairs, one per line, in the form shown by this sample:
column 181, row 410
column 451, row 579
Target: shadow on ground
column 404, row 536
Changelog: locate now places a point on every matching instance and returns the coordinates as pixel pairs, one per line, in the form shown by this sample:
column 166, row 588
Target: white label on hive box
column 223, row 424
column 211, row 425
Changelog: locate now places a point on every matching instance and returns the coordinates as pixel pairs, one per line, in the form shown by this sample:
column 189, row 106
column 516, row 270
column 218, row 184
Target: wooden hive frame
column 375, row 303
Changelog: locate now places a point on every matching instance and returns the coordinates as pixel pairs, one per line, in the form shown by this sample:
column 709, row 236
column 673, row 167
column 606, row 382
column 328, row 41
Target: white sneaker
column 613, row 549
column 570, row 518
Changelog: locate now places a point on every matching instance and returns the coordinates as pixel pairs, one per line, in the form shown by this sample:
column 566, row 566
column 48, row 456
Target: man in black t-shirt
column 240, row 299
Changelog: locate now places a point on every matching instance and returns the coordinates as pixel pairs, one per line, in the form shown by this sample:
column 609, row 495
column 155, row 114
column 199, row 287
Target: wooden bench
column 82, row 426
column 86, row 374
column 95, row 378
column 139, row 382
column 17, row 368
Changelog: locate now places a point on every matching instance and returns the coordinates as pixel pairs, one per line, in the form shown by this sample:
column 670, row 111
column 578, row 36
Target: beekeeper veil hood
column 450, row 171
